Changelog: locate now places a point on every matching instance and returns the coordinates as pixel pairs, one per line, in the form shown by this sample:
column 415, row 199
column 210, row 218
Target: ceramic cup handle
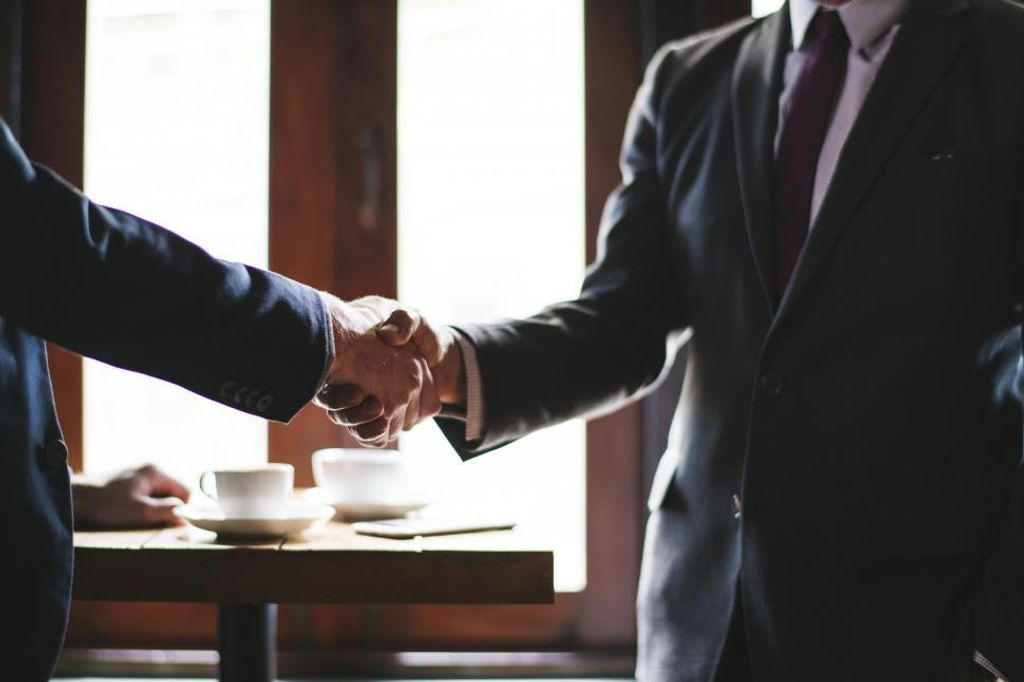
column 203, row 478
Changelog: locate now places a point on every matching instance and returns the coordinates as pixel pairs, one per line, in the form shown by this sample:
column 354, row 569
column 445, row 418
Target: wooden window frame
column 50, row 126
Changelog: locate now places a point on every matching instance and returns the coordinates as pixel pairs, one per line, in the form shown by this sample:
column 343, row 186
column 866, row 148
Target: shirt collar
column 865, row 20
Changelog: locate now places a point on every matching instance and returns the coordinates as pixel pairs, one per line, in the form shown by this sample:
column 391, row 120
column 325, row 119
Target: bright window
column 176, row 131
column 759, row 8
column 491, row 220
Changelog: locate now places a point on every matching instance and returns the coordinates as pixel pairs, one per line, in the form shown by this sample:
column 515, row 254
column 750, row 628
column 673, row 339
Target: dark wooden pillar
column 11, row 22
column 333, row 221
column 662, row 21
column 42, row 98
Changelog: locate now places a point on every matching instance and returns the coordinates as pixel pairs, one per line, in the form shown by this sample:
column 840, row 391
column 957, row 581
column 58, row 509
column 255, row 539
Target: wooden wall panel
column 332, row 207
column 614, row 470
column 12, row 13
column 332, row 167
column 52, row 131
column 723, row 11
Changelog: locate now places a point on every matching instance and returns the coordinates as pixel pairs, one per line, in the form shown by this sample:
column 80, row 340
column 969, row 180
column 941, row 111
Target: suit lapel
column 756, row 83
column 927, row 44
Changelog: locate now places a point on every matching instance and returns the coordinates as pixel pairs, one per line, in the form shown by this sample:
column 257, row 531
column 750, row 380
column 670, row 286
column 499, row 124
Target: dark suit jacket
column 868, row 420
column 114, row 287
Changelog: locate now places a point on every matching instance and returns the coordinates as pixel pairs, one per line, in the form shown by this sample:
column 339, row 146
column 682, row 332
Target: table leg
column 248, row 642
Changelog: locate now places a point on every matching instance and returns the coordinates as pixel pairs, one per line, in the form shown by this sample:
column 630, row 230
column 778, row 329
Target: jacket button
column 57, row 453
column 770, row 384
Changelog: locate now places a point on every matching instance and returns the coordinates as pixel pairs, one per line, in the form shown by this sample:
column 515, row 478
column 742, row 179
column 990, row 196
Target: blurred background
column 453, row 153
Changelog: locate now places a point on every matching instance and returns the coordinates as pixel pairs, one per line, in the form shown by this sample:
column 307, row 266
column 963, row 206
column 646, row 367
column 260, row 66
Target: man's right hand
column 378, row 389
column 439, row 348
column 359, row 408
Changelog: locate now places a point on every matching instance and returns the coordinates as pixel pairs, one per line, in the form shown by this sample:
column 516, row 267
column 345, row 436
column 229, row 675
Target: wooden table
column 329, row 565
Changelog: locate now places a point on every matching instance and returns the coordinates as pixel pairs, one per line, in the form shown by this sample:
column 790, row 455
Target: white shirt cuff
column 980, row 659
column 475, row 425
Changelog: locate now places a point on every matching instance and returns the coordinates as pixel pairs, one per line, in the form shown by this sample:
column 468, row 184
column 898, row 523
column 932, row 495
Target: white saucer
column 367, row 511
column 298, row 516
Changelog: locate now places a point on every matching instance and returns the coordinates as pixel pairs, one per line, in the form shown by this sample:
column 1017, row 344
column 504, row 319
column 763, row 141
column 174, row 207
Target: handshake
column 390, row 369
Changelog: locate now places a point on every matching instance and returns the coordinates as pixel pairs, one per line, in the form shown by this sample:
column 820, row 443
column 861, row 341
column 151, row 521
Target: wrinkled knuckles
column 401, row 319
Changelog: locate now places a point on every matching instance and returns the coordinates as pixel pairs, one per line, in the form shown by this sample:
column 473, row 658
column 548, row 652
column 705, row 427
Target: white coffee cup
column 255, row 492
column 357, row 476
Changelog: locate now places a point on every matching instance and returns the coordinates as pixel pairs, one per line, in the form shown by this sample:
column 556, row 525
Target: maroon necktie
column 803, row 132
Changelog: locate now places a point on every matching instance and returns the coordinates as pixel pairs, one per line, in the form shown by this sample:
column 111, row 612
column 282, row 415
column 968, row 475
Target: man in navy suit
column 114, row 287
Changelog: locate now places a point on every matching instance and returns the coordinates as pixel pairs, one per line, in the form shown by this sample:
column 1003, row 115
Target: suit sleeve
column 999, row 620
column 590, row 355
column 999, row 616
column 112, row 286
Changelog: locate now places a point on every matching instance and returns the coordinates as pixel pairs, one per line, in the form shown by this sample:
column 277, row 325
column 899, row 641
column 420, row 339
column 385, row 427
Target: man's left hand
column 134, row 498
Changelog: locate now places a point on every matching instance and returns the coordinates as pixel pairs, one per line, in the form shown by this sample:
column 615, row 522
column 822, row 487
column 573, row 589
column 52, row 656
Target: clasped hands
column 391, row 369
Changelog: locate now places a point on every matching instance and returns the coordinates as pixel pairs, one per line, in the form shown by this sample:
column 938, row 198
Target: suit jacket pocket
column 951, row 167
column 938, row 527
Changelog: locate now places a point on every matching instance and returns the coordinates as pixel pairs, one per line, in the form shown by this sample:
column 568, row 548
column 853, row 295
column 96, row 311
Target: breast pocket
column 943, row 222
column 952, row 181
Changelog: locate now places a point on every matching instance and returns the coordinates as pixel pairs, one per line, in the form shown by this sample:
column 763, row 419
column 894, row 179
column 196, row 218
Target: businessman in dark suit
column 114, row 287
column 830, row 200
